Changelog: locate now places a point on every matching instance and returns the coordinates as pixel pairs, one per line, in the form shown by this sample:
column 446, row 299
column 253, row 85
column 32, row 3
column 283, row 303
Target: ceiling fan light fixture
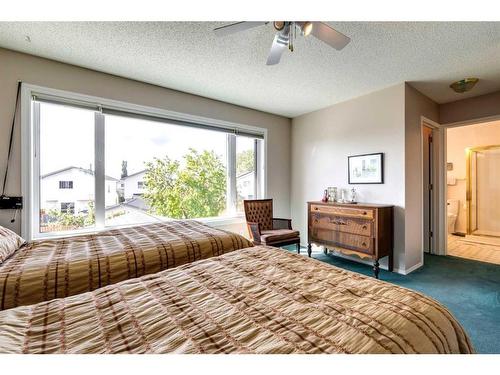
column 464, row 85
column 307, row 28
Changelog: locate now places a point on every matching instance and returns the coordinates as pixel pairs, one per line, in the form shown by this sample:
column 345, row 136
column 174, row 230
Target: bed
column 254, row 300
column 47, row 269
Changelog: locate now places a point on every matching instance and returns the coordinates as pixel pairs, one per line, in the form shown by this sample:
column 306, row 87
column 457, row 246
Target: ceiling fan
column 285, row 35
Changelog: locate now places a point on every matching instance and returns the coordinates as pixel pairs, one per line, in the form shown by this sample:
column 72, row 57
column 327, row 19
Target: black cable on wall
column 14, row 115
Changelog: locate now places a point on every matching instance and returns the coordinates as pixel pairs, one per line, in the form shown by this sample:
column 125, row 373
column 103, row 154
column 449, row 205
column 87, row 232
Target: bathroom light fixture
column 464, row 85
column 307, row 28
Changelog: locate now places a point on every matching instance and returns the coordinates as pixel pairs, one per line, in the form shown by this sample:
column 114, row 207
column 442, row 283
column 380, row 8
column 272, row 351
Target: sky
column 67, row 139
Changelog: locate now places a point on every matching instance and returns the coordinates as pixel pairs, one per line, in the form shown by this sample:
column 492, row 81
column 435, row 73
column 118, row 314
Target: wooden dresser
column 362, row 229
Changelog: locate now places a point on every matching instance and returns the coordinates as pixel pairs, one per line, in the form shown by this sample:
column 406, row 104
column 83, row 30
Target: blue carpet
column 469, row 289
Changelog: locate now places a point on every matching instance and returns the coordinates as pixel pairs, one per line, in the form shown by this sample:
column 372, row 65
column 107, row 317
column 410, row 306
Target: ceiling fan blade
column 329, row 35
column 280, row 44
column 237, row 27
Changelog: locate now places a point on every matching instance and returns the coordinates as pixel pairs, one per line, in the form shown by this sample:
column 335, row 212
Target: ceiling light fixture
column 464, row 85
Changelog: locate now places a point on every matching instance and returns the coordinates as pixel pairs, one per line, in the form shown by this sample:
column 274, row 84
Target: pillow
column 9, row 243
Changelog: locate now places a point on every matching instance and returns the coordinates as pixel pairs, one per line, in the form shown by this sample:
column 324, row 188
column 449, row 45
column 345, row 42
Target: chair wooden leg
column 309, row 250
column 298, row 247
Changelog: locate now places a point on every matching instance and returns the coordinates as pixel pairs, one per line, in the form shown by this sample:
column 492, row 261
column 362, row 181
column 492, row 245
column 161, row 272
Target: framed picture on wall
column 366, row 169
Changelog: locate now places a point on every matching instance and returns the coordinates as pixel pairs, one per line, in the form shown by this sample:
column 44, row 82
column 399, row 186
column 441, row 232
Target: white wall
column 474, row 108
column 16, row 66
column 458, row 139
column 322, row 141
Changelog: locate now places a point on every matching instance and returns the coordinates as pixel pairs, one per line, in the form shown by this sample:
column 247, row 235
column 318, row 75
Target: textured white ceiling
column 187, row 56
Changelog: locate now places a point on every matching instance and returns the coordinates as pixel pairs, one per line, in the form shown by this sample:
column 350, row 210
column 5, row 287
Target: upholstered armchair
column 266, row 229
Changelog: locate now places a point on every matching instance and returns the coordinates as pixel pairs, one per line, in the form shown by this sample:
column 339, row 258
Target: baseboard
column 411, row 269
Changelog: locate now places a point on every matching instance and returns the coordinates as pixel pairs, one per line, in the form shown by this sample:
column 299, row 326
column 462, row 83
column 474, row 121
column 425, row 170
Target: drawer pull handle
column 338, row 222
column 365, row 227
column 363, row 244
column 364, row 212
column 316, row 208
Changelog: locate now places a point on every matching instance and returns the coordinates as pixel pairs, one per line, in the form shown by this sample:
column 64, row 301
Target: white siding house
column 245, row 185
column 72, row 188
column 133, row 184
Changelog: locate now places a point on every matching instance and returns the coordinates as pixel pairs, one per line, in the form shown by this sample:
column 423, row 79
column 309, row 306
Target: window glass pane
column 66, row 168
column 163, row 171
column 245, row 170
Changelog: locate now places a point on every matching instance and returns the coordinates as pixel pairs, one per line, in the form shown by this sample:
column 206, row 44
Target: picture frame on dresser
column 365, row 168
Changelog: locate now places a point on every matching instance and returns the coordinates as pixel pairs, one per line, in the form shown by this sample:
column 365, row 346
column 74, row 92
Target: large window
column 99, row 167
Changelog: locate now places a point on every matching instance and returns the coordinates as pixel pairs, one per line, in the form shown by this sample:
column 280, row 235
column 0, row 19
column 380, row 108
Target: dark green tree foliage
column 192, row 189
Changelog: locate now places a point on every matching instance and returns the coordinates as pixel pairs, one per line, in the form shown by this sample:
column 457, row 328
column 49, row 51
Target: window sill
column 210, row 221
column 221, row 221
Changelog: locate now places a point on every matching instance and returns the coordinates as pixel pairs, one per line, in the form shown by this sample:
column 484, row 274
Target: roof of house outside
column 134, row 174
column 84, row 170
column 244, row 174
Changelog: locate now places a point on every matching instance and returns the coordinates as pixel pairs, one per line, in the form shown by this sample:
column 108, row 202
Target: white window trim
column 30, row 146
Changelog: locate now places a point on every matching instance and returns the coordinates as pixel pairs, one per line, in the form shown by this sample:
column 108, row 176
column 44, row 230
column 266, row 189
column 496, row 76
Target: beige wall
column 470, row 109
column 17, row 66
column 322, row 141
column 458, row 139
column 416, row 105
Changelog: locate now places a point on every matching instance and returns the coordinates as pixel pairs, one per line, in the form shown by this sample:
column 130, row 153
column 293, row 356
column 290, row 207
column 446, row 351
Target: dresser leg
column 376, row 268
column 309, row 250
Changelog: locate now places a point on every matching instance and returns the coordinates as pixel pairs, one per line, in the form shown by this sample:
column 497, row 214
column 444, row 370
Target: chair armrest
column 254, row 229
column 279, row 223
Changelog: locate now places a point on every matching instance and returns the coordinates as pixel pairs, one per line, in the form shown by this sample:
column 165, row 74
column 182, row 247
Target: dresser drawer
column 349, row 241
column 343, row 211
column 343, row 224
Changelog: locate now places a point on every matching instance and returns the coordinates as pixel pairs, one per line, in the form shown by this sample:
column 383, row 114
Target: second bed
column 47, row 269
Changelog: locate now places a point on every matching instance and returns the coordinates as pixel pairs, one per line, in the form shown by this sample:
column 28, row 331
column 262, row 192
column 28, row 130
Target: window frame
column 70, row 205
column 30, row 146
column 63, row 183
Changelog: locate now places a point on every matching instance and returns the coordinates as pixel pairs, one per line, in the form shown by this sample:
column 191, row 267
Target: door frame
column 436, row 173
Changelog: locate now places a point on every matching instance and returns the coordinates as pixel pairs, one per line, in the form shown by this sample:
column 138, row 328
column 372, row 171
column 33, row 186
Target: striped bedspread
column 255, row 300
column 48, row 269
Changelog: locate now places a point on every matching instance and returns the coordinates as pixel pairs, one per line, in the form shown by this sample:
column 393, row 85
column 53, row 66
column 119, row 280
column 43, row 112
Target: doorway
column 473, row 191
